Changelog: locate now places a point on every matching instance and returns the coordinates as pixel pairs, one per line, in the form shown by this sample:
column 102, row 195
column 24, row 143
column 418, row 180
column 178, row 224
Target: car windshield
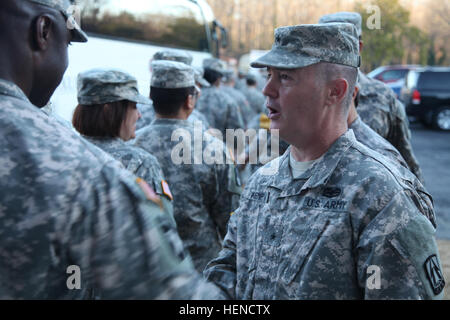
column 175, row 23
column 394, row 74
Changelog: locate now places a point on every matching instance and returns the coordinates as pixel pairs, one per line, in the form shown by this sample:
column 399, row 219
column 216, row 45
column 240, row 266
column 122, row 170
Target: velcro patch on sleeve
column 149, row 192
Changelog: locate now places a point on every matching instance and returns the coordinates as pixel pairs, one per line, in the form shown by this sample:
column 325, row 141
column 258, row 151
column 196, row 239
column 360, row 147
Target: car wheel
column 441, row 119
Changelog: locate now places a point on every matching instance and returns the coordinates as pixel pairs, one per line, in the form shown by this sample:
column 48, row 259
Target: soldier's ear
column 42, row 31
column 190, row 102
column 337, row 91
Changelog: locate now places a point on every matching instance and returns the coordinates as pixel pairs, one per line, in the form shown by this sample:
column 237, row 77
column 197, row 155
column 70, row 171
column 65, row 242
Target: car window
column 434, row 81
column 394, row 74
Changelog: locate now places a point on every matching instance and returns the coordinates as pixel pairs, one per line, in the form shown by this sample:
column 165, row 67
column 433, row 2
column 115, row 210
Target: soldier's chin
column 39, row 101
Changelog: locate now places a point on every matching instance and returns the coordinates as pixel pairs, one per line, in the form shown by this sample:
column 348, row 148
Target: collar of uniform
column 103, row 140
column 177, row 122
column 356, row 124
column 320, row 171
column 11, row 89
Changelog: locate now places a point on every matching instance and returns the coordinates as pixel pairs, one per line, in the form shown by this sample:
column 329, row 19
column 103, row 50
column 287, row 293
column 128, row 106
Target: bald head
column 37, row 38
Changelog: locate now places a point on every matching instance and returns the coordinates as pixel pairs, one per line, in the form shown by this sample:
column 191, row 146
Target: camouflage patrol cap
column 172, row 75
column 199, row 72
column 228, row 75
column 303, row 45
column 99, row 86
column 173, row 55
column 66, row 7
column 214, row 64
column 348, row 17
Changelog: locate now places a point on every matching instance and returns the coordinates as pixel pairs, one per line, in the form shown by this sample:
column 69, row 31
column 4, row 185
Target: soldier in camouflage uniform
column 204, row 191
column 147, row 111
column 99, row 91
column 254, row 96
column 63, row 201
column 240, row 99
column 329, row 219
column 240, row 82
column 378, row 106
column 221, row 111
column 368, row 137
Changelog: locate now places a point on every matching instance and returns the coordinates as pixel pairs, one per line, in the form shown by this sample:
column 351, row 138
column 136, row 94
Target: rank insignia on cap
column 434, row 274
column 166, row 189
column 149, row 192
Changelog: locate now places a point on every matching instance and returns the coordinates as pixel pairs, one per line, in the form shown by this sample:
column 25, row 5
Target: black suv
column 426, row 95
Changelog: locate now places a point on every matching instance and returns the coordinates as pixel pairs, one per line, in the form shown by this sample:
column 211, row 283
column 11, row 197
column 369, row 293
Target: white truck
column 124, row 34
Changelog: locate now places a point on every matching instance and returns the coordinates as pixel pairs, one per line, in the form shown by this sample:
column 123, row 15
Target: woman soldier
column 106, row 116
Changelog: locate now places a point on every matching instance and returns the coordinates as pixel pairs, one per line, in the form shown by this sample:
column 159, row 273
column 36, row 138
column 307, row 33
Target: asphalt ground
column 432, row 149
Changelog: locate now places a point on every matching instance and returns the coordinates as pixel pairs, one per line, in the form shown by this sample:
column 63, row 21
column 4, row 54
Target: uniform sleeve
column 398, row 256
column 401, row 138
column 228, row 193
column 235, row 120
column 123, row 247
column 222, row 270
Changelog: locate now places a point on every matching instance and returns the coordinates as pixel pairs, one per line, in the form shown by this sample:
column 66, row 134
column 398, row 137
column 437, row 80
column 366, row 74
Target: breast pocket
column 304, row 235
column 251, row 226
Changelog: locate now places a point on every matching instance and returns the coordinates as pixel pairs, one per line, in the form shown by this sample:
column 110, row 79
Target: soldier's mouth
column 273, row 113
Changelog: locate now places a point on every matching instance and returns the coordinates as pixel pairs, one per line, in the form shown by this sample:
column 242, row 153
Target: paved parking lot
column 432, row 149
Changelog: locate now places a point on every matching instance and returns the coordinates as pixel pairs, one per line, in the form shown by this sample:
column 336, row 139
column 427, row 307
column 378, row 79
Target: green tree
column 395, row 41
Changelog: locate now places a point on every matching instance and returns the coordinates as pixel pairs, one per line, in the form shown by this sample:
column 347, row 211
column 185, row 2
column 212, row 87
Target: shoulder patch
column 434, row 274
column 166, row 189
column 149, row 192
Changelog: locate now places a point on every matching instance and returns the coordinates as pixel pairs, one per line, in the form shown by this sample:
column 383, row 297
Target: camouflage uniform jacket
column 204, row 194
column 321, row 235
column 221, row 111
column 147, row 115
column 365, row 135
column 240, row 84
column 139, row 162
column 368, row 137
column 241, row 101
column 381, row 111
column 63, row 204
column 256, row 99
